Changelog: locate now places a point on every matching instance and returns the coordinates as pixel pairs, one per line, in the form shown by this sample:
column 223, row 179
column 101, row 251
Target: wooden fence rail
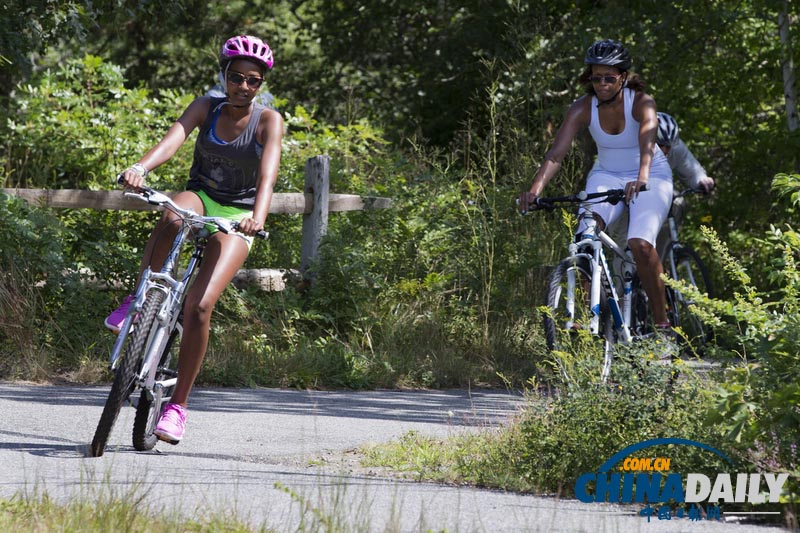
column 315, row 202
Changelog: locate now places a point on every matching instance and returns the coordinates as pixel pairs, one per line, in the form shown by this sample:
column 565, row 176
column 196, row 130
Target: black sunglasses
column 605, row 79
column 253, row 82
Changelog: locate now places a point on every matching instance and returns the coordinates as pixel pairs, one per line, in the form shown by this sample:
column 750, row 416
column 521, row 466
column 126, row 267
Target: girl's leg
column 160, row 241
column 224, row 255
column 156, row 250
column 649, row 268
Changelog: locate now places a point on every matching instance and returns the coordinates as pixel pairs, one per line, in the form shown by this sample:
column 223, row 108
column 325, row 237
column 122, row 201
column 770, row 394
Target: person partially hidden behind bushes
column 684, row 165
column 236, row 159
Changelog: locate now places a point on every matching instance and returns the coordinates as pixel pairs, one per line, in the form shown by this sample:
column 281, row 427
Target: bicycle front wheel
column 562, row 326
column 690, row 269
column 125, row 374
column 150, row 405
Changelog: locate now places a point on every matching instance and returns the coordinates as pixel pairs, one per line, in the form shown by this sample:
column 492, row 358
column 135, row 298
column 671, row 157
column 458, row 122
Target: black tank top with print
column 227, row 172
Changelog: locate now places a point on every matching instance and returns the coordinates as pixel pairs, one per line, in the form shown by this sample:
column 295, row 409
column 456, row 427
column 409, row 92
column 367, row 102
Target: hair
column 634, row 81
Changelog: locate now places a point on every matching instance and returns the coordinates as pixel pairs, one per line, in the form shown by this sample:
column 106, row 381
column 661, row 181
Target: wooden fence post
column 315, row 221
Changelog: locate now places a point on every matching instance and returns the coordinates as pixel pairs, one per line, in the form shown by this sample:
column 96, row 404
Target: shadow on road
column 58, row 447
column 478, row 407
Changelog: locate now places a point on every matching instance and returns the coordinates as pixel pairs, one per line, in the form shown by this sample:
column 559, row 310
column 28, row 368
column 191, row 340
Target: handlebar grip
column 539, row 203
column 261, row 234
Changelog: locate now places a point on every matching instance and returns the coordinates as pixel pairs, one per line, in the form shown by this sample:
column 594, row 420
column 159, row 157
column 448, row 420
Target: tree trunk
column 789, row 91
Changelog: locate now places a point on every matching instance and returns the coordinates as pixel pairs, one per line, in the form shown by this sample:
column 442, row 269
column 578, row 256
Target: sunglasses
column 253, row 82
column 605, row 79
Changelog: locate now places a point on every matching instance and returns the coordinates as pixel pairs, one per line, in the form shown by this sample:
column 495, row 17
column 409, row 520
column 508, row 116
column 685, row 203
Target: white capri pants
column 647, row 212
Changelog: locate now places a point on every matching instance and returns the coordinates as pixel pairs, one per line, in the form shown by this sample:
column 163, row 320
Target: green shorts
column 215, row 209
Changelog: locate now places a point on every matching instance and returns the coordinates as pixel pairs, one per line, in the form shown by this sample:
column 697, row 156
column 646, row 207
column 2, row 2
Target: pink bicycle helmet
column 246, row 47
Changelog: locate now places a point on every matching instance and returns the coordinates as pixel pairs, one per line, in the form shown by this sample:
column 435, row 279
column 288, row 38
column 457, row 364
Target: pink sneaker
column 114, row 320
column 172, row 423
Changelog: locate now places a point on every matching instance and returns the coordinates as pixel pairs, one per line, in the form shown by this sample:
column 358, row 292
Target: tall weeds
column 22, row 354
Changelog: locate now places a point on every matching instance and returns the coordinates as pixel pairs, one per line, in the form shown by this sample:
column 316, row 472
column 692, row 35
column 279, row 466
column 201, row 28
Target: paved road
column 261, row 454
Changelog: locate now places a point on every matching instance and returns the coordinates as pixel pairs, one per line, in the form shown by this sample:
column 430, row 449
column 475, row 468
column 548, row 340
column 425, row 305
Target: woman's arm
column 644, row 111
column 577, row 117
column 192, row 117
column 688, row 168
column 270, row 135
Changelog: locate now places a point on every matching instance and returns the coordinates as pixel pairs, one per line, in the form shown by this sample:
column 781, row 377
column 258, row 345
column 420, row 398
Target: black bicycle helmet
column 667, row 129
column 608, row 52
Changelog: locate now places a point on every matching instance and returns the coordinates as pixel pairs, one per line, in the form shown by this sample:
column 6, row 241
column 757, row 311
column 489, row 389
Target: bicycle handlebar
column 686, row 192
column 153, row 197
column 613, row 196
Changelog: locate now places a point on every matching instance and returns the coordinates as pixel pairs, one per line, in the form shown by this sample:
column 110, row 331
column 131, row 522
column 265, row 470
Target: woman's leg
column 647, row 214
column 649, row 268
column 224, row 255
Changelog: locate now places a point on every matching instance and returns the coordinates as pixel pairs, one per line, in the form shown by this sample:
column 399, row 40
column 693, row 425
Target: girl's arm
column 270, row 135
column 192, row 117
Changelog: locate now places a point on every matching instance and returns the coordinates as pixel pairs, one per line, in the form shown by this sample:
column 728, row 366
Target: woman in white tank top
column 622, row 120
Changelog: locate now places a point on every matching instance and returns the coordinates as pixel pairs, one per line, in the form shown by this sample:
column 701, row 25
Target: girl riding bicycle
column 621, row 119
column 236, row 159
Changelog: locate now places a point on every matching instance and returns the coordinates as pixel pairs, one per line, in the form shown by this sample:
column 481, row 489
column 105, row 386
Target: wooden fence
column 315, row 202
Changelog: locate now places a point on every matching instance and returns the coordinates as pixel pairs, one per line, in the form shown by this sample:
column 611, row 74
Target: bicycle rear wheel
column 125, row 374
column 150, row 405
column 641, row 324
column 691, row 270
column 560, row 336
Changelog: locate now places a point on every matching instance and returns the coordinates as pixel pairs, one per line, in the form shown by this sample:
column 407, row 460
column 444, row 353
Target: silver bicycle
column 583, row 293
column 149, row 338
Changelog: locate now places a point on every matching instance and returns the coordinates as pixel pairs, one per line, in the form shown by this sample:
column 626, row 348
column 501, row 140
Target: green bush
column 637, row 404
column 77, row 126
column 756, row 405
column 563, row 432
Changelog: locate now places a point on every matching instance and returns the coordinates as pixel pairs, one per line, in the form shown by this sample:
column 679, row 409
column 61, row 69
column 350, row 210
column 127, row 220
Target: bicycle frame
column 167, row 317
column 594, row 239
column 173, row 289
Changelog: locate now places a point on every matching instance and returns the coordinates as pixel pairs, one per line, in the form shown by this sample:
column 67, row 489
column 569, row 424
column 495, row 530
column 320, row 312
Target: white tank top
column 620, row 153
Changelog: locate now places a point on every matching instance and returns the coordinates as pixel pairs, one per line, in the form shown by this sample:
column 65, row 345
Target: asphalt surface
column 282, row 459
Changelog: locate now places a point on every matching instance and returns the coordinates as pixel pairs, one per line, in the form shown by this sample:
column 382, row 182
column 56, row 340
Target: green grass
column 41, row 513
column 325, row 508
column 541, row 451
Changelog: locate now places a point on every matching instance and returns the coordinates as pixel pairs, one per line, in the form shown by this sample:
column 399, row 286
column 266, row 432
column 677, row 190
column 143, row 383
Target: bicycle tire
column 559, row 338
column 124, row 378
column 641, row 323
column 690, row 269
column 147, row 413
